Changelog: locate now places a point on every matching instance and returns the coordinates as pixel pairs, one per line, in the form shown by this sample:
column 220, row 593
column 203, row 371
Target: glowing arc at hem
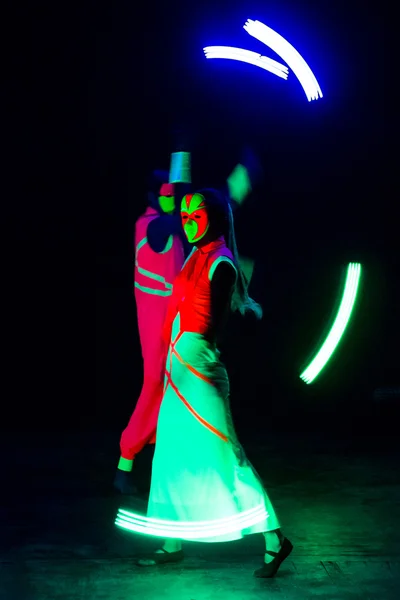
column 191, row 530
column 339, row 326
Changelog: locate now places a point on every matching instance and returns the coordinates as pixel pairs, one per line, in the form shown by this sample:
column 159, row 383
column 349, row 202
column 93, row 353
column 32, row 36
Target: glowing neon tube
column 190, row 530
column 339, row 325
column 289, row 54
column 252, row 58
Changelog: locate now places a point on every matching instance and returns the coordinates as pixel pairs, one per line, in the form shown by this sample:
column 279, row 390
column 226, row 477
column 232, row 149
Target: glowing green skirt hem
column 200, row 471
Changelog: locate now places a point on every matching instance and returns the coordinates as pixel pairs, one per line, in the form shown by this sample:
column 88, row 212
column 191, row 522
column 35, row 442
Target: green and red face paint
column 195, row 217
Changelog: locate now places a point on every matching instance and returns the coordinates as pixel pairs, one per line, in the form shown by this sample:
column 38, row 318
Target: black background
column 96, row 96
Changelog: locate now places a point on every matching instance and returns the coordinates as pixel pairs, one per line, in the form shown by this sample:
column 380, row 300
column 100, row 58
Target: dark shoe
column 158, row 558
column 123, row 483
column 270, row 569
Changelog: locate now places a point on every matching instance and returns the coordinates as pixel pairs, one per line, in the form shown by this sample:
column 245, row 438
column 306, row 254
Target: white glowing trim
column 252, row 58
column 289, row 54
column 339, row 325
column 230, row 50
column 192, row 530
column 189, row 524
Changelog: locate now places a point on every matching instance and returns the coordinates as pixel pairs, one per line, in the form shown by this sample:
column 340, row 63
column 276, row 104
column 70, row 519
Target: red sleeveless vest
column 191, row 295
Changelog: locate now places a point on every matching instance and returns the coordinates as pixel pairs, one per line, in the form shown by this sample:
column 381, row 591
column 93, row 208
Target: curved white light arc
column 190, row 530
column 289, row 54
column 252, row 58
column 338, row 328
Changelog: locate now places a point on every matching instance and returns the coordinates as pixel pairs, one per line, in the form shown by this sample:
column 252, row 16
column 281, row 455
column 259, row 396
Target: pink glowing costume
column 154, row 275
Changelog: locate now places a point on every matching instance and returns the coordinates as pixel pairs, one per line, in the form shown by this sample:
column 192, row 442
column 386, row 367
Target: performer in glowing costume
column 160, row 248
column 159, row 256
column 200, row 471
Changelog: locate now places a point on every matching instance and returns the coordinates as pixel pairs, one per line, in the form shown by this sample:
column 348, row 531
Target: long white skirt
column 200, row 471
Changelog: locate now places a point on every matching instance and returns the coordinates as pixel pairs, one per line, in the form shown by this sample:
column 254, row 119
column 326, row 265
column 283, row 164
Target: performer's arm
column 222, row 285
column 160, row 230
column 247, row 266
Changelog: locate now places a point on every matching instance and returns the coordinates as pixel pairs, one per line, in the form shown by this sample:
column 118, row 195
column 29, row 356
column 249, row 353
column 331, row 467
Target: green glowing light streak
column 339, row 326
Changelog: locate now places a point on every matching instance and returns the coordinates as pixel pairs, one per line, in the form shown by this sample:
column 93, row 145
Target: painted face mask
column 166, row 198
column 194, row 215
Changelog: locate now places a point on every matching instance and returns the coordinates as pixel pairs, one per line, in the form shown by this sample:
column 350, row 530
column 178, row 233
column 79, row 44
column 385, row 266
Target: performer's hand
column 245, row 176
column 252, row 162
column 247, row 266
column 239, row 184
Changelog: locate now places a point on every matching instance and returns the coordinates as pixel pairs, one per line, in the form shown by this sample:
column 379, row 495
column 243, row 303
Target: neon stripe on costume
column 147, row 290
column 151, row 275
column 180, row 396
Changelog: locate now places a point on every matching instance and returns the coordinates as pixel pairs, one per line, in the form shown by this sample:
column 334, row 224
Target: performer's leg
column 143, row 422
column 141, row 430
column 273, row 542
column 142, row 425
column 171, row 545
column 277, row 548
column 171, row 551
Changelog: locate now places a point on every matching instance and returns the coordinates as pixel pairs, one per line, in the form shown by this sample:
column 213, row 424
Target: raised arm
column 160, row 230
